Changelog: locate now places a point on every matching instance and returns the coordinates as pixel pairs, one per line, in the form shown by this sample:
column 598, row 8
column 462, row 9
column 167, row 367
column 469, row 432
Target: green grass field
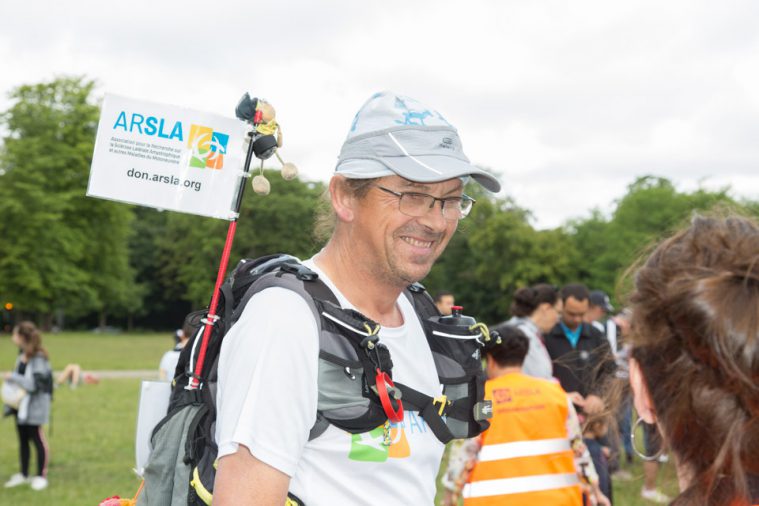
column 93, row 429
column 92, row 446
column 97, row 351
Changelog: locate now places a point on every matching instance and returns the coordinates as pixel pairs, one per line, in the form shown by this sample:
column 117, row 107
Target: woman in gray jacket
column 34, row 374
column 535, row 310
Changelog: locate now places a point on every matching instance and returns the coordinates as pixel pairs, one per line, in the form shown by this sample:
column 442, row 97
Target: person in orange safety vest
column 526, row 457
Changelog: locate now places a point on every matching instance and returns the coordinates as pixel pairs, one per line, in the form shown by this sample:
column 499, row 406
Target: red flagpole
column 211, row 317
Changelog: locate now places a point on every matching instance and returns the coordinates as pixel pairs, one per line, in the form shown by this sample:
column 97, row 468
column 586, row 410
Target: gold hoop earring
column 647, row 458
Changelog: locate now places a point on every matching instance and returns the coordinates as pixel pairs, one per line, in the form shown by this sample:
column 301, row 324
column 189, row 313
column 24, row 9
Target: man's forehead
column 400, row 182
column 572, row 303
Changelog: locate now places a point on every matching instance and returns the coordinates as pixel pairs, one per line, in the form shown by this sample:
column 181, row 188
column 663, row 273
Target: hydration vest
column 356, row 391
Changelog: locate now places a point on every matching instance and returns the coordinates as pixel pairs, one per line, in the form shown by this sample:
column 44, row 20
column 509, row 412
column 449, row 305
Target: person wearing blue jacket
column 33, row 374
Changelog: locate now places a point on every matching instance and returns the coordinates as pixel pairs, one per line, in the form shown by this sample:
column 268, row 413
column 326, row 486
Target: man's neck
column 496, row 371
column 370, row 296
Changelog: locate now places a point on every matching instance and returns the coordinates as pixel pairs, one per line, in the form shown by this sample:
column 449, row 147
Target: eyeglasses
column 419, row 204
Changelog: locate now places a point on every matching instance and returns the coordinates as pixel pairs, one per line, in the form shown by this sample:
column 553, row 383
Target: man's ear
column 343, row 202
column 641, row 397
column 491, row 366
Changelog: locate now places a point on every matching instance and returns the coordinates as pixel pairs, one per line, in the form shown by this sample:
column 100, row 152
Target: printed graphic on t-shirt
column 371, row 446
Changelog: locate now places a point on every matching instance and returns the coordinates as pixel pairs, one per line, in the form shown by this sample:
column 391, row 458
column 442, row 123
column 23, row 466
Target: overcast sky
column 568, row 101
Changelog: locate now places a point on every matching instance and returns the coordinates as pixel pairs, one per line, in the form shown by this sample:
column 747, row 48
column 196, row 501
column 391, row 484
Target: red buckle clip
column 383, row 381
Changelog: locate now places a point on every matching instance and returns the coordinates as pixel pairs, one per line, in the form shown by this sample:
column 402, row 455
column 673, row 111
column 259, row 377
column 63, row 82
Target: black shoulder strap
column 423, row 304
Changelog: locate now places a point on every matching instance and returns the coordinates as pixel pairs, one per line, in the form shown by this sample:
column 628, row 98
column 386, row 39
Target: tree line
column 74, row 261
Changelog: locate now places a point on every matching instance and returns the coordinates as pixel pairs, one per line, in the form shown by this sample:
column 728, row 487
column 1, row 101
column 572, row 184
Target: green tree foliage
column 281, row 222
column 495, row 251
column 59, row 249
column 148, row 228
column 651, row 209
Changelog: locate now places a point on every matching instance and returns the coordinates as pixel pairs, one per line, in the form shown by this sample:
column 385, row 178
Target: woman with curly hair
column 694, row 369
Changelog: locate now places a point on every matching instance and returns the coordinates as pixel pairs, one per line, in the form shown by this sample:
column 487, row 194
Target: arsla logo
column 447, row 143
column 208, row 147
column 502, row 395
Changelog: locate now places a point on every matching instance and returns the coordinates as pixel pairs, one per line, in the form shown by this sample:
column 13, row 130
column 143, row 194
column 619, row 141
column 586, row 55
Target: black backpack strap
column 431, row 409
column 317, row 290
column 420, row 299
column 226, row 292
column 320, row 426
column 293, row 500
column 192, row 433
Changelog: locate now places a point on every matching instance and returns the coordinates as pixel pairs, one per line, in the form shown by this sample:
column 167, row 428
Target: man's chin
column 417, row 273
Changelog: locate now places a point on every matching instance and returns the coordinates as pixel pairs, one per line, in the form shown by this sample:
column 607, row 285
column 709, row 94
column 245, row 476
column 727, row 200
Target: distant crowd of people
column 547, row 380
column 686, row 346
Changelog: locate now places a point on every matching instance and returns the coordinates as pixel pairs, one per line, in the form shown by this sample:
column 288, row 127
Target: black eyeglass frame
column 464, row 198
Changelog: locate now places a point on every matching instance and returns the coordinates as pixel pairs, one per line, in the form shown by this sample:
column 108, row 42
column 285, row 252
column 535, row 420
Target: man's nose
column 434, row 217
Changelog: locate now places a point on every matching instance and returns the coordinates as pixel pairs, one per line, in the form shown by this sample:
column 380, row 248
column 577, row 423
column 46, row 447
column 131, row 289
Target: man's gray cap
column 396, row 135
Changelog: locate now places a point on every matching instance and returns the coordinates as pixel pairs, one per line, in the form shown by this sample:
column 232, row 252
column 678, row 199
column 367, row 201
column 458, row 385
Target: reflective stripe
column 344, row 325
column 519, row 485
column 403, row 150
column 523, row 449
column 456, row 336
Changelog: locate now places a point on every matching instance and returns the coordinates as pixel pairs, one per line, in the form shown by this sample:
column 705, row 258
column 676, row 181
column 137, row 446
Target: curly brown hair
column 695, row 335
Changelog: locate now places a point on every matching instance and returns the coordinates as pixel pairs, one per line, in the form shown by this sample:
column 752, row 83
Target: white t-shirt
column 267, row 398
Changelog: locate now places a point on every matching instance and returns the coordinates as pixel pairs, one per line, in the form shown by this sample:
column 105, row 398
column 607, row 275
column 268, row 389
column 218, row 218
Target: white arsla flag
column 167, row 157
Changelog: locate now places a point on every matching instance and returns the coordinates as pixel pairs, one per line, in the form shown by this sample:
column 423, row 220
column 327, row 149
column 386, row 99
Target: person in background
column 594, row 436
column 535, row 310
column 581, row 355
column 599, row 315
column 444, row 302
column 583, row 362
column 527, row 456
column 33, row 373
column 74, row 376
column 695, row 357
column 653, row 446
column 170, row 358
column 624, row 408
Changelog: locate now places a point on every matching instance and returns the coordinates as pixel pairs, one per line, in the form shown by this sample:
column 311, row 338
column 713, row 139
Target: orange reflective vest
column 526, row 457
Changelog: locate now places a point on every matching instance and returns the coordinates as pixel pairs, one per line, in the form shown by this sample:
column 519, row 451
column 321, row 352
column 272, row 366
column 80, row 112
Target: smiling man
column 397, row 197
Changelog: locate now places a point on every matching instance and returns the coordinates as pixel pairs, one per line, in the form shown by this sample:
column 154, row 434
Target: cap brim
column 436, row 168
